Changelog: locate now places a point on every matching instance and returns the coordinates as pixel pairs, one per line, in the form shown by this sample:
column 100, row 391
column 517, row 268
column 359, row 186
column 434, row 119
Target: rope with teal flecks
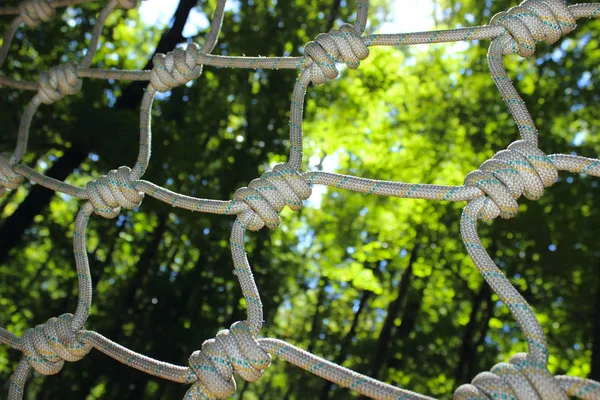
column 491, row 191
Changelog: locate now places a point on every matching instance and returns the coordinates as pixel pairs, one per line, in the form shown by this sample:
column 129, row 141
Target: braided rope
column 110, row 192
column 176, row 68
column 58, row 82
column 534, row 21
column 267, row 195
column 46, row 347
column 234, row 349
column 521, row 169
column 33, row 12
column 524, row 378
column 338, row 46
column 491, row 191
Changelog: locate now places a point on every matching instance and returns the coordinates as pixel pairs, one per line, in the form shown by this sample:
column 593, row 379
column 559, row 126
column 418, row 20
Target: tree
column 381, row 285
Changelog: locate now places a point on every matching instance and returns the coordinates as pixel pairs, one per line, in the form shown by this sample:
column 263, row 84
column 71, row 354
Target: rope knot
column 525, row 378
column 47, row 346
column 176, row 68
column 33, row 12
column 534, row 21
column 112, row 191
column 231, row 350
column 342, row 45
column 522, row 169
column 9, row 179
column 59, row 81
column 127, row 4
column 267, row 195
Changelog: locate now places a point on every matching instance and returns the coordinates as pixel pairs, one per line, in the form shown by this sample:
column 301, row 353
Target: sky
column 407, row 15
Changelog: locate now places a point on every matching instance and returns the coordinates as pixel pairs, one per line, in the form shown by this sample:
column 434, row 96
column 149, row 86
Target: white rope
column 33, row 12
column 176, row 68
column 59, row 82
column 267, row 195
column 46, row 347
column 490, row 192
column 9, row 179
column 343, row 45
column 521, row 169
column 230, row 350
column 534, row 21
column 525, row 379
column 113, row 191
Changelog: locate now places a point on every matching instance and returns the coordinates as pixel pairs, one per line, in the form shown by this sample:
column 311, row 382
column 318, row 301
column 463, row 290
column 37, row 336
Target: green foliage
column 163, row 279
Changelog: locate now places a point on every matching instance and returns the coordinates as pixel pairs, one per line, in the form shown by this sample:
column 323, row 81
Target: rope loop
column 522, row 169
column 176, row 68
column 231, row 350
column 521, row 378
column 112, row 191
column 534, row 21
column 47, row 346
column 342, row 45
column 9, row 179
column 33, row 12
column 267, row 195
column 59, row 81
column 127, row 4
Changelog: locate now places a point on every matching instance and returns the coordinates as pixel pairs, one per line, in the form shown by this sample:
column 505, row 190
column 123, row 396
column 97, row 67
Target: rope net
column 491, row 191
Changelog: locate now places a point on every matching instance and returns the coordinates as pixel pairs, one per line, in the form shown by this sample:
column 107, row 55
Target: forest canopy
column 380, row 285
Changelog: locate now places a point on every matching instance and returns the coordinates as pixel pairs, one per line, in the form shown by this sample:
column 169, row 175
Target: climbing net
column 490, row 192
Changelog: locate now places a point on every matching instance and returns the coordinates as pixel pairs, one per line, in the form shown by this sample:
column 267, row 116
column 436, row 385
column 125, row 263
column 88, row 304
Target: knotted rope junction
column 491, row 191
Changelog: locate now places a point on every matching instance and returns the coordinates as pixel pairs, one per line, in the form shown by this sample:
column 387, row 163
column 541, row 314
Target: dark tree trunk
column 132, row 94
column 483, row 329
column 244, row 388
column 595, row 372
column 409, row 321
column 126, row 303
column 317, row 320
column 394, row 309
column 266, row 389
column 341, row 357
column 97, row 271
column 409, row 317
column 143, row 266
column 148, row 280
column 315, row 329
column 469, row 345
column 335, row 10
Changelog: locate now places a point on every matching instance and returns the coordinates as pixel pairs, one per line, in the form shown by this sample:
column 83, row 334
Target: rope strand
column 490, row 191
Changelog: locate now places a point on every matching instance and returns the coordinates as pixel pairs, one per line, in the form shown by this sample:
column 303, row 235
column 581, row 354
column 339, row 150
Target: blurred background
column 383, row 286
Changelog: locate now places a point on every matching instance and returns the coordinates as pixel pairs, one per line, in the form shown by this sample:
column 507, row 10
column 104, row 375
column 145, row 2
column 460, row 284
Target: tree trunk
column 484, row 326
column 333, row 14
column 132, row 94
column 409, row 321
column 315, row 329
column 317, row 321
column 97, row 271
column 469, row 346
column 125, row 303
column 244, row 388
column 385, row 336
column 146, row 261
column 341, row 357
column 595, row 372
